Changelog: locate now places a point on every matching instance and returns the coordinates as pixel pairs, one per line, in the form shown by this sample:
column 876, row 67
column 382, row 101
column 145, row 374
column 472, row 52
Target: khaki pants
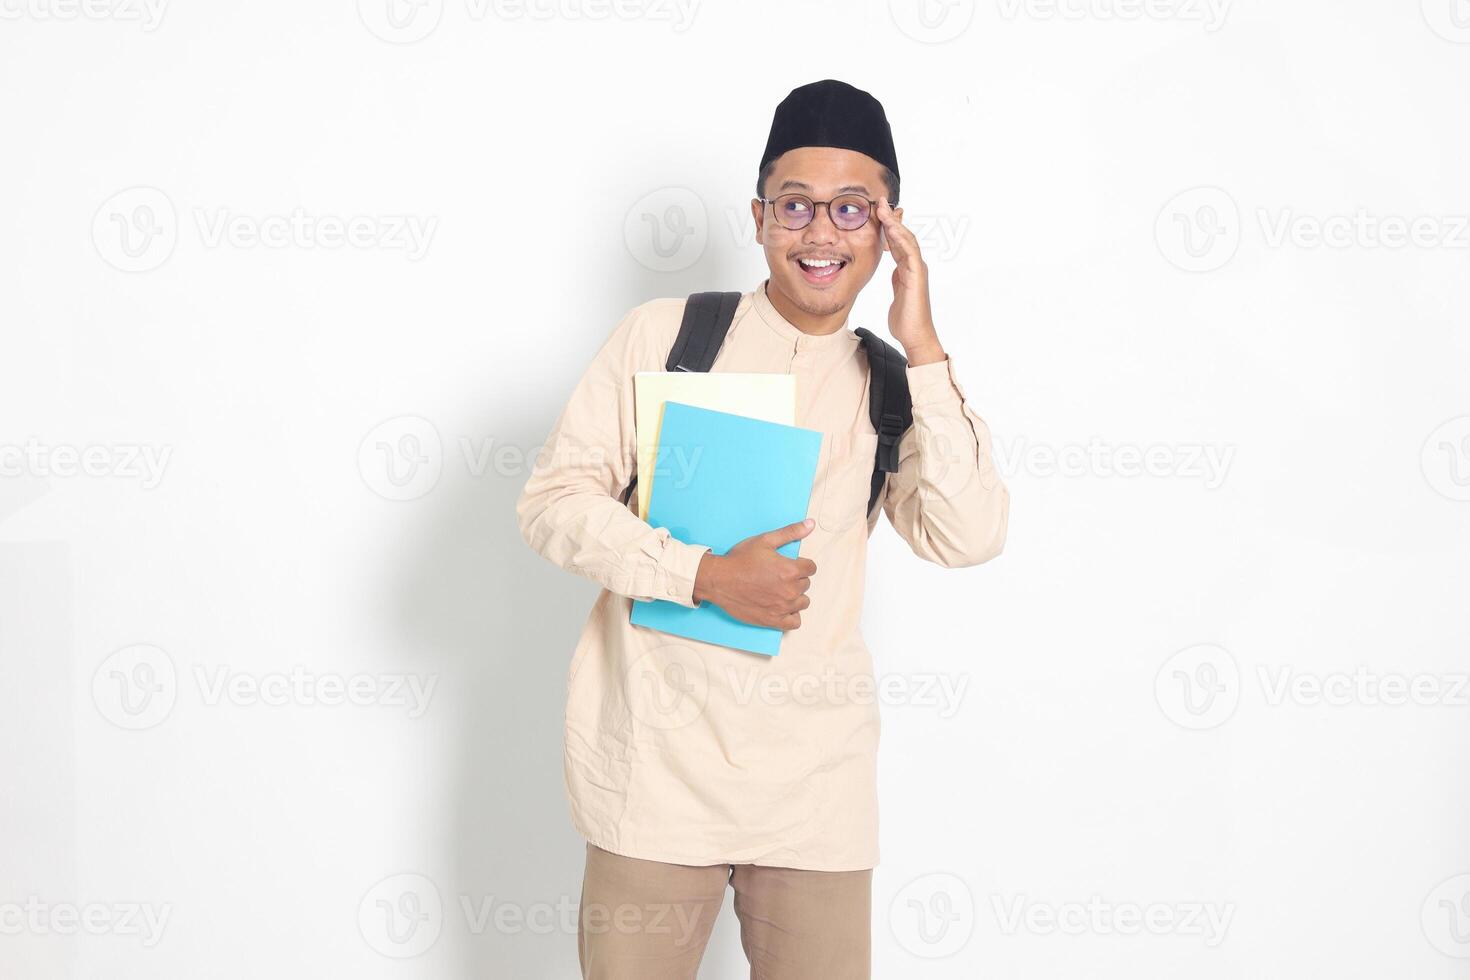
column 645, row 920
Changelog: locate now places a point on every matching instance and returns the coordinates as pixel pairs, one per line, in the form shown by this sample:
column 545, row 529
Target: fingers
column 790, row 616
column 800, row 601
column 901, row 242
column 790, row 622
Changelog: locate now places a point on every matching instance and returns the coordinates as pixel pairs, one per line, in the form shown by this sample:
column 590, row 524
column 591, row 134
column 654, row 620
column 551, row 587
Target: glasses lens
column 793, row 210
column 850, row 212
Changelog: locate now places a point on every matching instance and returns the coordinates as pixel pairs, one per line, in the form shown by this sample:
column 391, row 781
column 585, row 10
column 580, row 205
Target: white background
column 1117, row 202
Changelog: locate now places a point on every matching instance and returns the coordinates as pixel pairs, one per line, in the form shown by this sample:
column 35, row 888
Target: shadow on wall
column 498, row 624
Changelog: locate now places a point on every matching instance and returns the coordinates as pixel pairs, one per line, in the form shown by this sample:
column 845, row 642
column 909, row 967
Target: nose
column 820, row 230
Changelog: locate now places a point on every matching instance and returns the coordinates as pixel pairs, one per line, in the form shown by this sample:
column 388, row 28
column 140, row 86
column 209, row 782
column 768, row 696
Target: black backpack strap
column 707, row 318
column 889, row 406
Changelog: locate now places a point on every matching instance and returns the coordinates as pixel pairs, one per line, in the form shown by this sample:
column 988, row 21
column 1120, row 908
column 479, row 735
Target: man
column 691, row 766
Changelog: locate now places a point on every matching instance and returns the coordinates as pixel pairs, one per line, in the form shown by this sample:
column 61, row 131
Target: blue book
column 720, row 478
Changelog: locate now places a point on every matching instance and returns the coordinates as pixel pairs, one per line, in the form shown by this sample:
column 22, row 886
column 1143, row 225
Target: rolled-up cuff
column 679, row 566
column 934, row 384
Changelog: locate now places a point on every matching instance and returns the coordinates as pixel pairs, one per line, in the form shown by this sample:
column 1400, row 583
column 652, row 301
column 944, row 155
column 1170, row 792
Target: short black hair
column 890, row 181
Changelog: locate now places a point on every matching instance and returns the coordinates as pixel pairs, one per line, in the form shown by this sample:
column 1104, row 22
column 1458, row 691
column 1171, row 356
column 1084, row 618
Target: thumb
column 791, row 532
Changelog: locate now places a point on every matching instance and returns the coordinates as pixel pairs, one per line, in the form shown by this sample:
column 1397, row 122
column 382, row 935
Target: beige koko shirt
column 685, row 752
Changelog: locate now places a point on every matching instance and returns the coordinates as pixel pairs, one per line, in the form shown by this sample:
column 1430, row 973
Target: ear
column 758, row 212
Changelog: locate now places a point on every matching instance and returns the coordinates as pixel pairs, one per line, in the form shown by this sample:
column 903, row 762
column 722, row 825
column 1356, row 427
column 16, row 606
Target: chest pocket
column 846, row 466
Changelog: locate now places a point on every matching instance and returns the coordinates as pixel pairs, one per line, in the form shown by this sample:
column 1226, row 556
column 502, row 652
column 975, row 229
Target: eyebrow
column 844, row 189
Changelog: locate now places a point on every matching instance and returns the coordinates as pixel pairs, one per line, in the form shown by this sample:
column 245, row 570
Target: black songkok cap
column 832, row 113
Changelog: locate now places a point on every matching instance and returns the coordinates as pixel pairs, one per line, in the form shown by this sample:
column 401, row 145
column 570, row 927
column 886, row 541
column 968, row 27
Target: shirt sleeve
column 947, row 499
column 571, row 512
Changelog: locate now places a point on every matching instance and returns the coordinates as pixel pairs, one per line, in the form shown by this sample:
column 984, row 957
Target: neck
column 816, row 324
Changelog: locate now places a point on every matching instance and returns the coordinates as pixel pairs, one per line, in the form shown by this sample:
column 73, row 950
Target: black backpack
column 707, row 318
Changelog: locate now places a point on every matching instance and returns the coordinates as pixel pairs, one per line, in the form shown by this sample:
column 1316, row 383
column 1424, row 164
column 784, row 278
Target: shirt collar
column 789, row 332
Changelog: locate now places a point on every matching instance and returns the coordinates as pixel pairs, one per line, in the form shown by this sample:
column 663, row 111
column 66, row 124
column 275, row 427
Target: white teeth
column 818, row 263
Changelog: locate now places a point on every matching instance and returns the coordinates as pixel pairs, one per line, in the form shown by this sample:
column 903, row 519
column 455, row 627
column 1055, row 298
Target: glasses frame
column 872, row 208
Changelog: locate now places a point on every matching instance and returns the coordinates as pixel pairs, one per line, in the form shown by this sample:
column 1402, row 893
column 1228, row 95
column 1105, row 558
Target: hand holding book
column 755, row 583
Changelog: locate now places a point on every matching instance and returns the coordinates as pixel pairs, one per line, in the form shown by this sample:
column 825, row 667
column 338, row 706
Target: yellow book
column 769, row 397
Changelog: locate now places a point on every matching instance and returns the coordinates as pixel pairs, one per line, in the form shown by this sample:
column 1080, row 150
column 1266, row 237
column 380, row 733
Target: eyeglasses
column 848, row 212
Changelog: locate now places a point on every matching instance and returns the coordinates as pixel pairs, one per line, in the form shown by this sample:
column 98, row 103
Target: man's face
column 822, row 173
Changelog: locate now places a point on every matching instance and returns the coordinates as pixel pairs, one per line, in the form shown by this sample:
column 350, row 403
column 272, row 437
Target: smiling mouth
column 820, row 271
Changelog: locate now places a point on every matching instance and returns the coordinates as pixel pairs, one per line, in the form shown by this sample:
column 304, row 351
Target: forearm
column 593, row 535
column 947, row 500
